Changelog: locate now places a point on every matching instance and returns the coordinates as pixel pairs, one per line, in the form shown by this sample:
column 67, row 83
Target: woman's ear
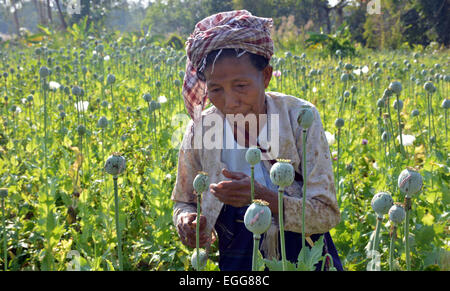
column 267, row 74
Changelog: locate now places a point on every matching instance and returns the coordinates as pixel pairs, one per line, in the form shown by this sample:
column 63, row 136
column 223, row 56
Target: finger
column 188, row 218
column 202, row 223
column 230, row 185
column 233, row 175
column 191, row 240
column 237, row 199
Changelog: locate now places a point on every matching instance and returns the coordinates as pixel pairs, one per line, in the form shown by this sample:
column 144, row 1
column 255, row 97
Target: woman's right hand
column 186, row 228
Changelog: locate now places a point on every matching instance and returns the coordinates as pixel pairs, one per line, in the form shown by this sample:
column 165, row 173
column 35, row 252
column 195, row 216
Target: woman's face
column 236, row 86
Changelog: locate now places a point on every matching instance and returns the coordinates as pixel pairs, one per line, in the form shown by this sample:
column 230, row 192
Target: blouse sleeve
column 322, row 210
column 188, row 166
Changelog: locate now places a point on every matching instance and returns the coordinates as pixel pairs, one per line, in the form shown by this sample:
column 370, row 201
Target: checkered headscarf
column 233, row 29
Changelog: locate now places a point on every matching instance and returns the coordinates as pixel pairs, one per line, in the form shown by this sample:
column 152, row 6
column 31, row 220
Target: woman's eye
column 241, row 85
column 215, row 90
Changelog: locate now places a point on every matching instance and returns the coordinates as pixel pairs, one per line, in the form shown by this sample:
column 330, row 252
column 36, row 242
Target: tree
column 15, row 5
column 435, row 16
column 61, row 16
column 216, row 6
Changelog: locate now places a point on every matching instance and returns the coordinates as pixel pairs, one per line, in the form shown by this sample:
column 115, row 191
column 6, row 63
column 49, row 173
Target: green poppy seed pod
column 346, row 94
column 102, row 122
column 380, row 103
column 13, row 108
column 76, row 90
column 104, row 103
column 99, row 48
column 415, row 113
column 115, row 164
column 30, row 98
column 203, row 259
column 81, row 129
column 445, row 104
column 344, row 77
column 381, row 203
column 396, row 87
column 305, row 117
column 387, row 93
column 201, row 182
column 44, row 72
column 348, row 66
column 253, row 156
column 258, row 217
column 3, row 192
column 398, row 105
column 353, row 89
column 397, row 213
column 177, row 82
column 447, row 78
column 147, row 97
column 60, row 107
column 110, row 79
column 339, row 122
column 429, row 87
column 410, row 182
column 62, row 114
column 282, row 173
column 84, row 70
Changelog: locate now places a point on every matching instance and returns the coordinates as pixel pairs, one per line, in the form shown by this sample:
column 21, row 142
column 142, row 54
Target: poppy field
column 67, row 106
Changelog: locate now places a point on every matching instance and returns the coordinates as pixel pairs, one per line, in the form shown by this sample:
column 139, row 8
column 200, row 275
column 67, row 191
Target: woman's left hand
column 235, row 192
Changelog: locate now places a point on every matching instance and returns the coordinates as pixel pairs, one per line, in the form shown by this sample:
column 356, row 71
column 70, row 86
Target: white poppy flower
column 408, row 140
column 357, row 72
column 314, row 89
column 82, row 106
column 375, row 166
column 54, row 85
column 107, row 58
column 162, row 99
column 330, row 138
column 365, row 69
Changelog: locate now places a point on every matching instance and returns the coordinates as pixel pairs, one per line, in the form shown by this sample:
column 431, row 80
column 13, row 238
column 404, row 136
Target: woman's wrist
column 264, row 193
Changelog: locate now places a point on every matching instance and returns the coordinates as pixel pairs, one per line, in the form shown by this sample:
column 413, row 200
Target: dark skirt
column 236, row 242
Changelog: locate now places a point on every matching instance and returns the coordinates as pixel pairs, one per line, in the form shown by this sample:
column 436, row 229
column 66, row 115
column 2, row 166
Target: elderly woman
column 228, row 64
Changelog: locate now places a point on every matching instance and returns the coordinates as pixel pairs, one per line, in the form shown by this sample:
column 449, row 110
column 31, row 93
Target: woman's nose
column 231, row 102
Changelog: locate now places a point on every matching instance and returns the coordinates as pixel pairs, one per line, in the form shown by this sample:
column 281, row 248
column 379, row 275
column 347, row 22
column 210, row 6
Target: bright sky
column 333, row 2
